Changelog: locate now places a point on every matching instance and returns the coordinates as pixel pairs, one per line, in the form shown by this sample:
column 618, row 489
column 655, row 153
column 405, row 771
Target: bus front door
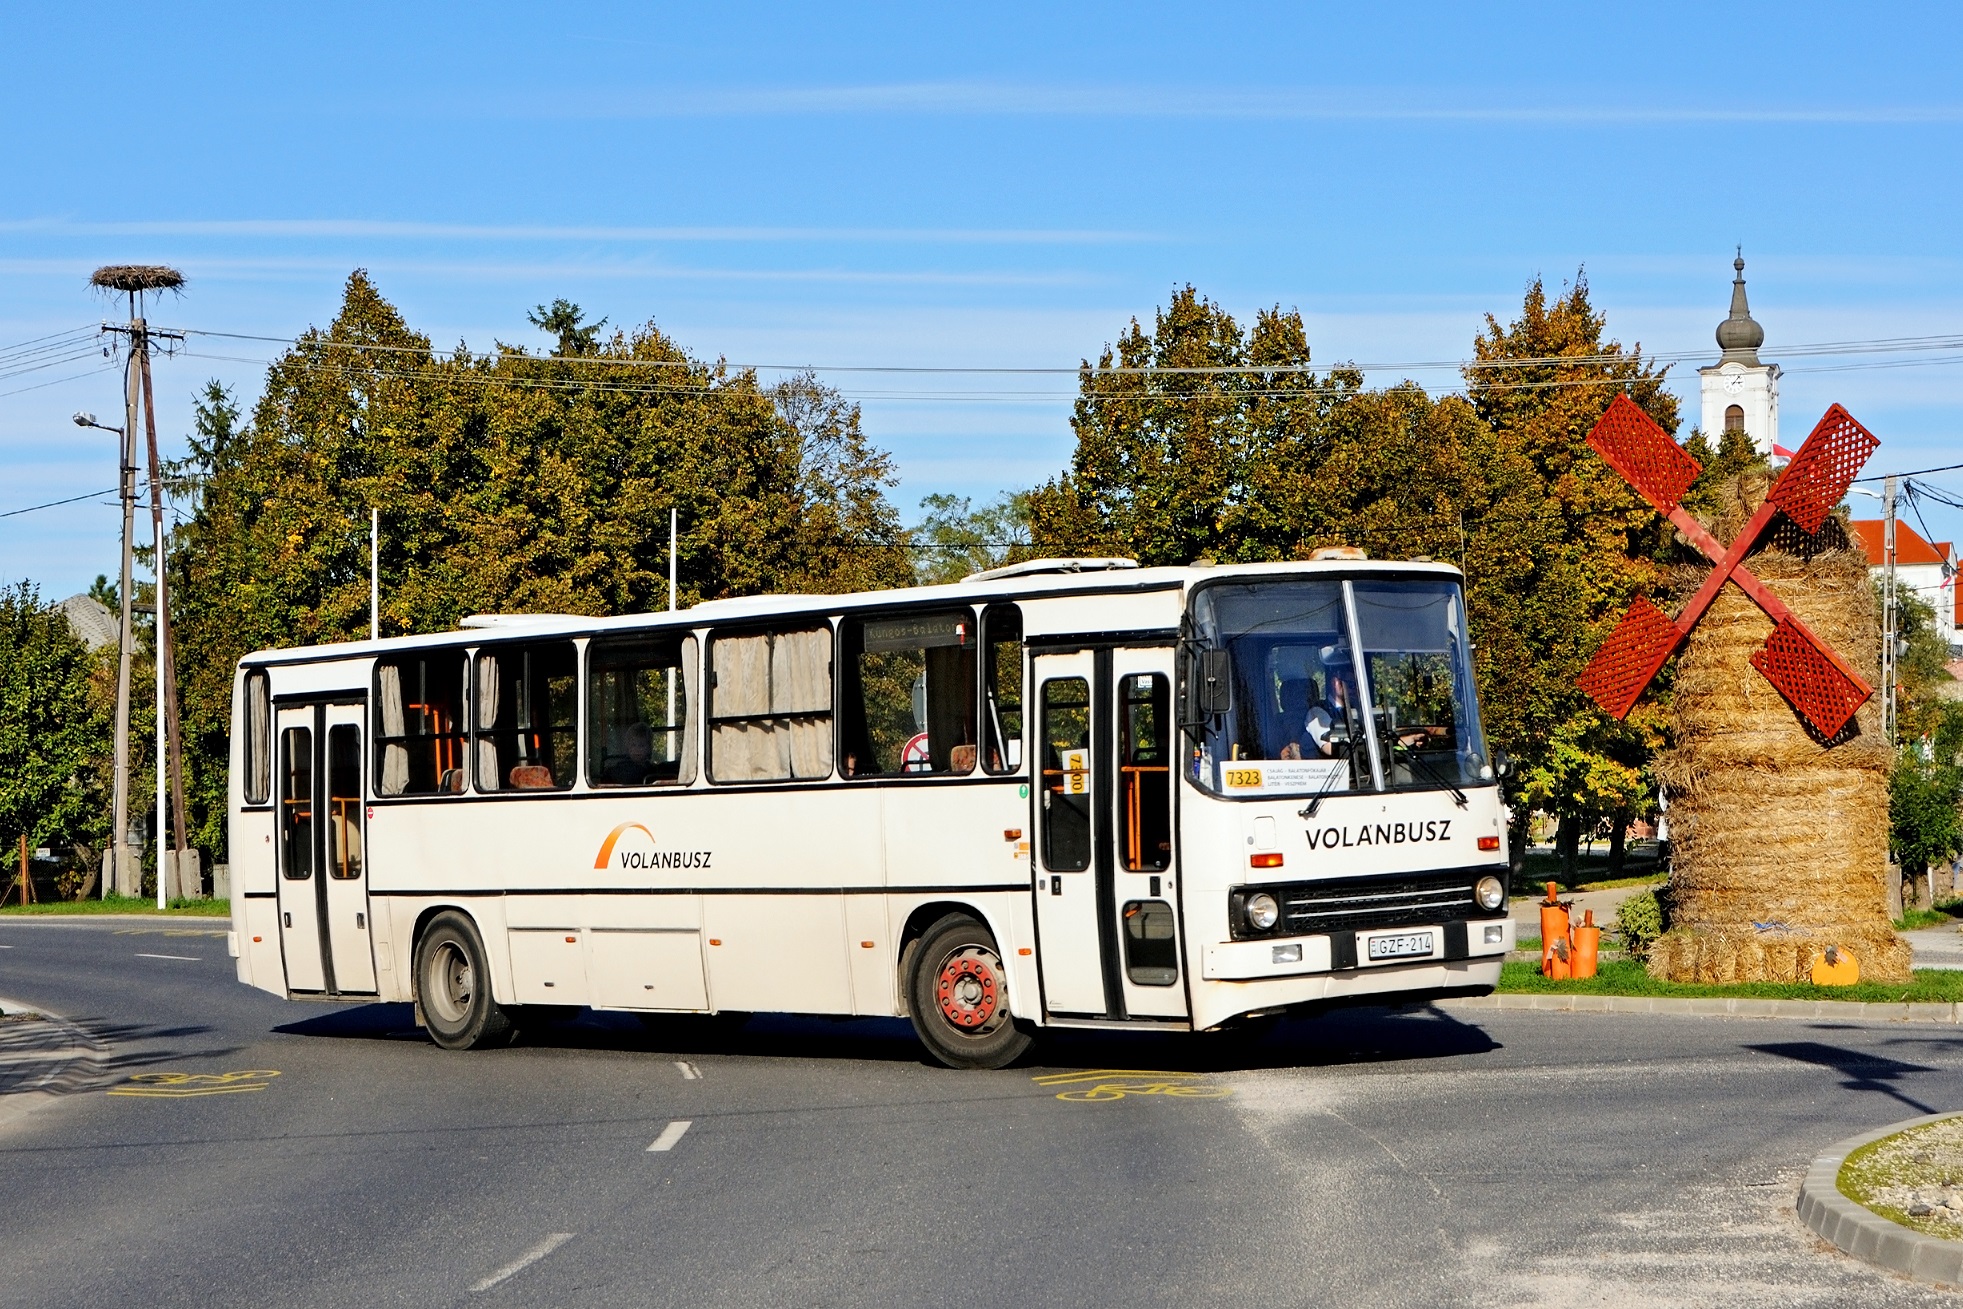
column 323, row 882
column 1104, row 849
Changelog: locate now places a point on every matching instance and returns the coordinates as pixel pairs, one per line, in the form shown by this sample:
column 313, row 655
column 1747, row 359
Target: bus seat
column 452, row 781
column 531, row 777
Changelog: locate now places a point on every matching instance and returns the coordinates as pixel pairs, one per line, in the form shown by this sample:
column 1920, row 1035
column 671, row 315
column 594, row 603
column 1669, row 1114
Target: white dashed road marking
column 185, row 958
column 689, row 1071
column 525, row 1260
column 669, row 1135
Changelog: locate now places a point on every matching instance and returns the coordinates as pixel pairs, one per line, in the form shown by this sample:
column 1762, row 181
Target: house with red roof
column 1928, row 569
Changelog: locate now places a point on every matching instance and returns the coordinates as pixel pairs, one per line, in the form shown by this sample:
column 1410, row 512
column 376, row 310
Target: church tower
column 1739, row 392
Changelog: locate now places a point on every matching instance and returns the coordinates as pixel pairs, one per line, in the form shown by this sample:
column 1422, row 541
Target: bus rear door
column 1104, row 861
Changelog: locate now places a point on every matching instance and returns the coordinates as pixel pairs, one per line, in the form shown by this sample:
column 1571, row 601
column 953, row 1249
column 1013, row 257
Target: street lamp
column 86, row 419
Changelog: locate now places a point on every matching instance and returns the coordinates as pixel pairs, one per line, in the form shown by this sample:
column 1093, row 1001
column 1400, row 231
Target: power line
column 73, row 499
column 1874, row 345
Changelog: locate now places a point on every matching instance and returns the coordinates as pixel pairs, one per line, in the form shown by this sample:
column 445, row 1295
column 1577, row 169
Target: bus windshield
column 1338, row 686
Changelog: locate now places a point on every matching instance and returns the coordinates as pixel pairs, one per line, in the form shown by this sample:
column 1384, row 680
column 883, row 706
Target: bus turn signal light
column 1489, row 843
column 1264, row 861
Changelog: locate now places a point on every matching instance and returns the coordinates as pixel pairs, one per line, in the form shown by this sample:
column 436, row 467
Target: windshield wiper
column 1451, row 787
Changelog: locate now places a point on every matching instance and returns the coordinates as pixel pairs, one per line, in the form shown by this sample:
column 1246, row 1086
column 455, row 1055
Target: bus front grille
column 1351, row 903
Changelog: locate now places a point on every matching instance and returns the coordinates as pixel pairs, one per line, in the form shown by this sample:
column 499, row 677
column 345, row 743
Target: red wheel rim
column 969, row 990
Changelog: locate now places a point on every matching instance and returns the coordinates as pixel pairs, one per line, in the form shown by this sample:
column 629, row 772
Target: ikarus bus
column 1065, row 793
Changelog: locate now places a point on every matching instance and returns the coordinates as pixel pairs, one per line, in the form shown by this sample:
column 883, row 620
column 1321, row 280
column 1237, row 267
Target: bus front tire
column 958, row 995
column 453, row 987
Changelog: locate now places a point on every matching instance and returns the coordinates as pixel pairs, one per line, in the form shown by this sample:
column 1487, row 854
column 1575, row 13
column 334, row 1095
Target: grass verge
column 1943, row 915
column 1914, row 1178
column 1629, row 977
column 117, row 904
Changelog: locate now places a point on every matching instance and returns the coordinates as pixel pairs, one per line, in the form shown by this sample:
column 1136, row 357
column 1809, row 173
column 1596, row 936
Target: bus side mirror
column 1216, row 683
column 1502, row 765
column 1207, row 688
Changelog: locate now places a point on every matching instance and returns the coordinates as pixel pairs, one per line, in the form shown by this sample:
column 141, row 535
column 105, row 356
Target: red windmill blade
column 1819, row 475
column 1813, row 679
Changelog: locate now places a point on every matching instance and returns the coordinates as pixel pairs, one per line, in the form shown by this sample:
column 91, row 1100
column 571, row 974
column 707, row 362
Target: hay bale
column 1779, row 839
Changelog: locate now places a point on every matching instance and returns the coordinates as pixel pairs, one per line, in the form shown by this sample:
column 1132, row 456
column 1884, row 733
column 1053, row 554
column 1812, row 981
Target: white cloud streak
column 377, row 229
column 1360, row 104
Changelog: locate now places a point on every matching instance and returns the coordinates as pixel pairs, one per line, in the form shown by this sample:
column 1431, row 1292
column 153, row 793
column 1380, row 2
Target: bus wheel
column 957, row 991
column 453, row 986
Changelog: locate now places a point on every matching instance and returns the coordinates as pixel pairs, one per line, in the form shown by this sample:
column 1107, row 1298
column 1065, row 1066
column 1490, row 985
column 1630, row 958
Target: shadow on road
column 1347, row 1036
column 1863, row 1070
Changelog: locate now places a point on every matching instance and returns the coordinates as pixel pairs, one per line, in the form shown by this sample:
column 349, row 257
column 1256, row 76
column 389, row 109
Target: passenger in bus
column 633, row 765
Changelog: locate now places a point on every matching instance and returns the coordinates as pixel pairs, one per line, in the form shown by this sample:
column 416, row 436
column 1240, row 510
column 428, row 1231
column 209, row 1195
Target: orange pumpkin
column 1837, row 967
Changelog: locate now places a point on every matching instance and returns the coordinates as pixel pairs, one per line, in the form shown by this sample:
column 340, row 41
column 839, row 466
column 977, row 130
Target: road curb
column 1721, row 1007
column 1865, row 1234
column 41, row 1060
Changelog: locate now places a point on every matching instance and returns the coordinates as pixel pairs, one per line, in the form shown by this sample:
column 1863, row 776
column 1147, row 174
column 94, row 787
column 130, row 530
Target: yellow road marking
column 1103, row 1084
column 177, row 1086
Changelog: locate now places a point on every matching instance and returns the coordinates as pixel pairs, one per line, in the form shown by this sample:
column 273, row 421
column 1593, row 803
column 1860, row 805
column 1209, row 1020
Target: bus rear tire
column 453, row 987
column 958, row 995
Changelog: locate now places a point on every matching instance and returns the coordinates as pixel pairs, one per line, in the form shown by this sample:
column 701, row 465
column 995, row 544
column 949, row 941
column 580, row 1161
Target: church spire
column 1740, row 336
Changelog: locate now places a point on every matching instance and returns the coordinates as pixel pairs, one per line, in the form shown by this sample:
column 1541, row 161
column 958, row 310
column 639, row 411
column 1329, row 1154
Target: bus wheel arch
column 957, row 994
column 451, row 972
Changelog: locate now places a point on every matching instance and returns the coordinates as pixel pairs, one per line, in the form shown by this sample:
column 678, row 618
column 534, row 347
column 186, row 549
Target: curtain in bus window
column 395, row 754
column 910, row 694
column 801, row 684
column 691, row 746
column 258, row 738
column 778, row 687
column 487, row 718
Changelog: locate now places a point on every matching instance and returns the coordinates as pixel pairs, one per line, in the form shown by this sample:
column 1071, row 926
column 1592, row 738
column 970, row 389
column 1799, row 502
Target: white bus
column 1067, row 793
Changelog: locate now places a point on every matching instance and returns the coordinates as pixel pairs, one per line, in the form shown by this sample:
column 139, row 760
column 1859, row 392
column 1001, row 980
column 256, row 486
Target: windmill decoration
column 1815, row 681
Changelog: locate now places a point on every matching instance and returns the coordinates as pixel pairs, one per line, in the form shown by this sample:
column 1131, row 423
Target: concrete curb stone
column 1828, row 1010
column 1860, row 1231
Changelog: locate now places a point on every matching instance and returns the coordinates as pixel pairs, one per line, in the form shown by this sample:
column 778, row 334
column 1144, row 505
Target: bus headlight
column 1490, row 893
column 1262, row 911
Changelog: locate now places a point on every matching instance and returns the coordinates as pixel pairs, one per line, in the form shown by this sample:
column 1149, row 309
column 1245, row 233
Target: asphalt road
column 1368, row 1158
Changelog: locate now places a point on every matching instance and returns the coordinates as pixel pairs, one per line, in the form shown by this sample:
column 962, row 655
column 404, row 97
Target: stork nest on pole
column 136, row 277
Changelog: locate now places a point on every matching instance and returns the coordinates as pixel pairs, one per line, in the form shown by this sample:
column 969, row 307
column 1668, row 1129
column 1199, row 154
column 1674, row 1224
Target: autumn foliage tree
column 505, row 482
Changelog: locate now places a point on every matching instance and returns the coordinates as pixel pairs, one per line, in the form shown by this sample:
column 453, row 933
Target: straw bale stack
column 1780, row 839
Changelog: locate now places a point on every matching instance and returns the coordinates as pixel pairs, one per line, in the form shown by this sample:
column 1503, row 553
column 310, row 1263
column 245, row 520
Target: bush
column 1640, row 921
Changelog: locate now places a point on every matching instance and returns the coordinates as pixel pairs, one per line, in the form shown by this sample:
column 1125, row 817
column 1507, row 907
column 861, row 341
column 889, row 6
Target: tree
column 954, row 539
column 562, row 319
column 505, row 482
column 1542, row 381
column 54, row 728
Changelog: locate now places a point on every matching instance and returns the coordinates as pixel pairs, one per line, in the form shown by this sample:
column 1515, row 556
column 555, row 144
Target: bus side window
column 420, row 747
column 640, row 712
column 770, row 706
column 258, row 738
column 296, row 807
column 527, row 717
column 1145, row 771
column 1002, row 689
column 909, row 695
column 1066, row 780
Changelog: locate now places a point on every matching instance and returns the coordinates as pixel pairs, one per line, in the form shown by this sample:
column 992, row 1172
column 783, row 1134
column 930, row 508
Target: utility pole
column 374, row 574
column 1890, row 612
column 134, row 280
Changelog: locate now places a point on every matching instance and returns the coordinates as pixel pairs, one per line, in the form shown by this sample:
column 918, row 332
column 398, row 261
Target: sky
column 878, row 187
